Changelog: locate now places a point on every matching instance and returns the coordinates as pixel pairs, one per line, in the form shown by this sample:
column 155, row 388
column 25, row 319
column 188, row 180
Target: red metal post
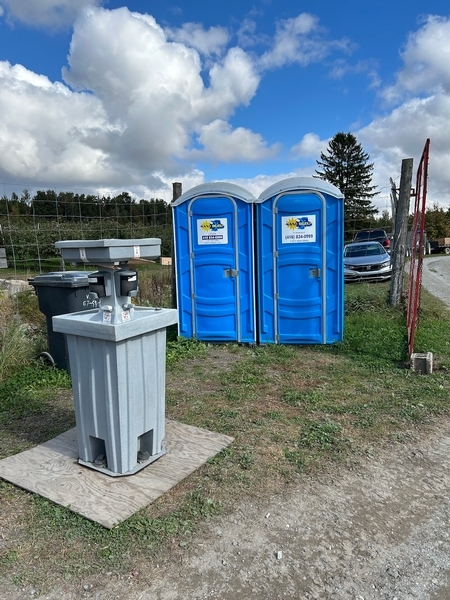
column 417, row 247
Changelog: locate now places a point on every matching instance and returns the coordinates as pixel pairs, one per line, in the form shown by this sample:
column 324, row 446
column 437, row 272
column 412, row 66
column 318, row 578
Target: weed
column 27, row 384
column 15, row 348
column 183, row 349
column 364, row 298
column 274, row 415
column 295, row 457
column 28, row 309
column 301, row 398
column 8, row 558
column 246, row 458
column 155, row 286
column 320, row 435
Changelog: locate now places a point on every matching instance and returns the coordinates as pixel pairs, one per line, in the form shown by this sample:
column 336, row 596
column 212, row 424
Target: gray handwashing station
column 117, row 356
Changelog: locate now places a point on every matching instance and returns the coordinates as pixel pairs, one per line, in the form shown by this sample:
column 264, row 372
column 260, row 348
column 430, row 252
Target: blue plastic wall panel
column 215, row 268
column 300, row 268
column 334, row 267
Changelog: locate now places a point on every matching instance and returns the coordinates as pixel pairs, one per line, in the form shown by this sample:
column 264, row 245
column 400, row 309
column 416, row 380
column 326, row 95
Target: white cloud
column 40, row 13
column 426, row 60
column 143, row 104
column 209, row 42
column 152, row 85
column 247, row 34
column 299, row 40
column 136, row 104
column 422, row 94
column 225, row 144
column 342, row 68
column 47, row 130
column 403, row 133
column 233, row 82
column 309, row 146
column 257, row 185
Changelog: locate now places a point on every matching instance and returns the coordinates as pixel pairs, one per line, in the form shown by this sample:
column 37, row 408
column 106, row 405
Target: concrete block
column 422, row 362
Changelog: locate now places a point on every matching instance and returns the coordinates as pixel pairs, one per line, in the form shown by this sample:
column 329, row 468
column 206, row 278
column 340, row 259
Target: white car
column 366, row 261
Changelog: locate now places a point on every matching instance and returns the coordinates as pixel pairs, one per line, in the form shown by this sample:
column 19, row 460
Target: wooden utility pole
column 177, row 190
column 394, row 201
column 398, row 250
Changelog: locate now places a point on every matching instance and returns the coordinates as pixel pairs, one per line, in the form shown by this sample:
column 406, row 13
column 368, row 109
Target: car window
column 366, row 250
column 370, row 235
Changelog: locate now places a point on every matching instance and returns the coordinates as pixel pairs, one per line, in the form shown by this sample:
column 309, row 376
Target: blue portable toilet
column 300, row 274
column 214, row 263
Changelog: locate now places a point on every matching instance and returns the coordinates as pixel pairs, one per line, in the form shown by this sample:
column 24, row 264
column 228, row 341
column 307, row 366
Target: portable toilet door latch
column 314, row 273
column 230, row 272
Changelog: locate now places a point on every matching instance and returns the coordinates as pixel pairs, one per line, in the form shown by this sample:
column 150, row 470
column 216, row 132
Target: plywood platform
column 52, row 470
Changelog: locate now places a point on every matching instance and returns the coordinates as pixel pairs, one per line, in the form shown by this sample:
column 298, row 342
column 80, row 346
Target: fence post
column 401, row 222
column 177, row 190
column 394, row 202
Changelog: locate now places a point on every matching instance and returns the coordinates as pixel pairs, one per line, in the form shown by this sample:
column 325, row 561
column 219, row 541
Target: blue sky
column 102, row 96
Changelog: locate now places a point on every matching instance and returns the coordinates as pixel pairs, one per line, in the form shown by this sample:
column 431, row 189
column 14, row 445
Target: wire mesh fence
column 32, row 220
column 30, row 226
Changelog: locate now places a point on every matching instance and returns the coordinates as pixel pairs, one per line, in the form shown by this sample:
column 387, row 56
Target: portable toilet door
column 214, row 263
column 300, row 276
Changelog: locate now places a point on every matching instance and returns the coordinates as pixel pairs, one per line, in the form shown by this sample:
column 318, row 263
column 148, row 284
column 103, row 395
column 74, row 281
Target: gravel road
column 436, row 276
column 380, row 531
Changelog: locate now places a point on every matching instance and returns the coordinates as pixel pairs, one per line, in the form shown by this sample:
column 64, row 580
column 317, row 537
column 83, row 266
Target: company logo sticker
column 212, row 231
column 298, row 229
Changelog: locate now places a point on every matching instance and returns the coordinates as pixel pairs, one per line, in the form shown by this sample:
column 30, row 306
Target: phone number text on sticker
column 298, row 229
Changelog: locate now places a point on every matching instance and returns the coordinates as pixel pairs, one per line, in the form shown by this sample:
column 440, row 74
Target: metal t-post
column 177, row 190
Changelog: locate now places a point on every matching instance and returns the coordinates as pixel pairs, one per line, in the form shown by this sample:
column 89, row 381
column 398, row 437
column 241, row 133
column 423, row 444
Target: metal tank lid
column 300, row 183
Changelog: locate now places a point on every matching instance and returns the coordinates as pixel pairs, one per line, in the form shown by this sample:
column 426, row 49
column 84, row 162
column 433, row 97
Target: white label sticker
column 125, row 316
column 298, row 229
column 106, row 316
column 137, row 251
column 83, row 254
column 212, row 231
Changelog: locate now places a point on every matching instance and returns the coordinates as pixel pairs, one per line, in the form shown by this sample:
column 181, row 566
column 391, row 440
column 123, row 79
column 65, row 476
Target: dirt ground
column 378, row 531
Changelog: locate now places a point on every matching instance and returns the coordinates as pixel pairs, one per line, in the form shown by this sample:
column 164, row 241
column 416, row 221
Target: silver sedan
column 366, row 261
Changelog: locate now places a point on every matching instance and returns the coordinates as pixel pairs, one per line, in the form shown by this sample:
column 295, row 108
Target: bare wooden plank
column 52, row 470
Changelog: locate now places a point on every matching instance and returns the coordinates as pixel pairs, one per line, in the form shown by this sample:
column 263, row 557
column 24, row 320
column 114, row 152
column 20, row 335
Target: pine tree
column 345, row 165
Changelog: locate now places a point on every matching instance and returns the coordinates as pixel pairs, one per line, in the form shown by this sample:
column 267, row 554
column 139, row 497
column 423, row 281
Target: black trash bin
column 59, row 293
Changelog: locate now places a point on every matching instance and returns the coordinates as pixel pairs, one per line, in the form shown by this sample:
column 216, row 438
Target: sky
column 105, row 96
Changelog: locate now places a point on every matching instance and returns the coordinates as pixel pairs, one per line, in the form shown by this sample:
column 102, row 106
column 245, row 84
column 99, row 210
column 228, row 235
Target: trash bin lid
column 70, row 279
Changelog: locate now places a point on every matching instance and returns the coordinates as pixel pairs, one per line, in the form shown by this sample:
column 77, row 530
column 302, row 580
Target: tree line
column 72, row 206
column 30, row 226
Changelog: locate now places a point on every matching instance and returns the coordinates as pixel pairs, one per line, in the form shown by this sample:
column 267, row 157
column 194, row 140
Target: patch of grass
column 25, row 387
column 324, row 436
column 307, row 398
column 365, row 297
column 375, row 333
column 27, row 307
column 35, row 406
column 155, row 286
column 182, row 349
column 290, row 410
column 296, row 458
